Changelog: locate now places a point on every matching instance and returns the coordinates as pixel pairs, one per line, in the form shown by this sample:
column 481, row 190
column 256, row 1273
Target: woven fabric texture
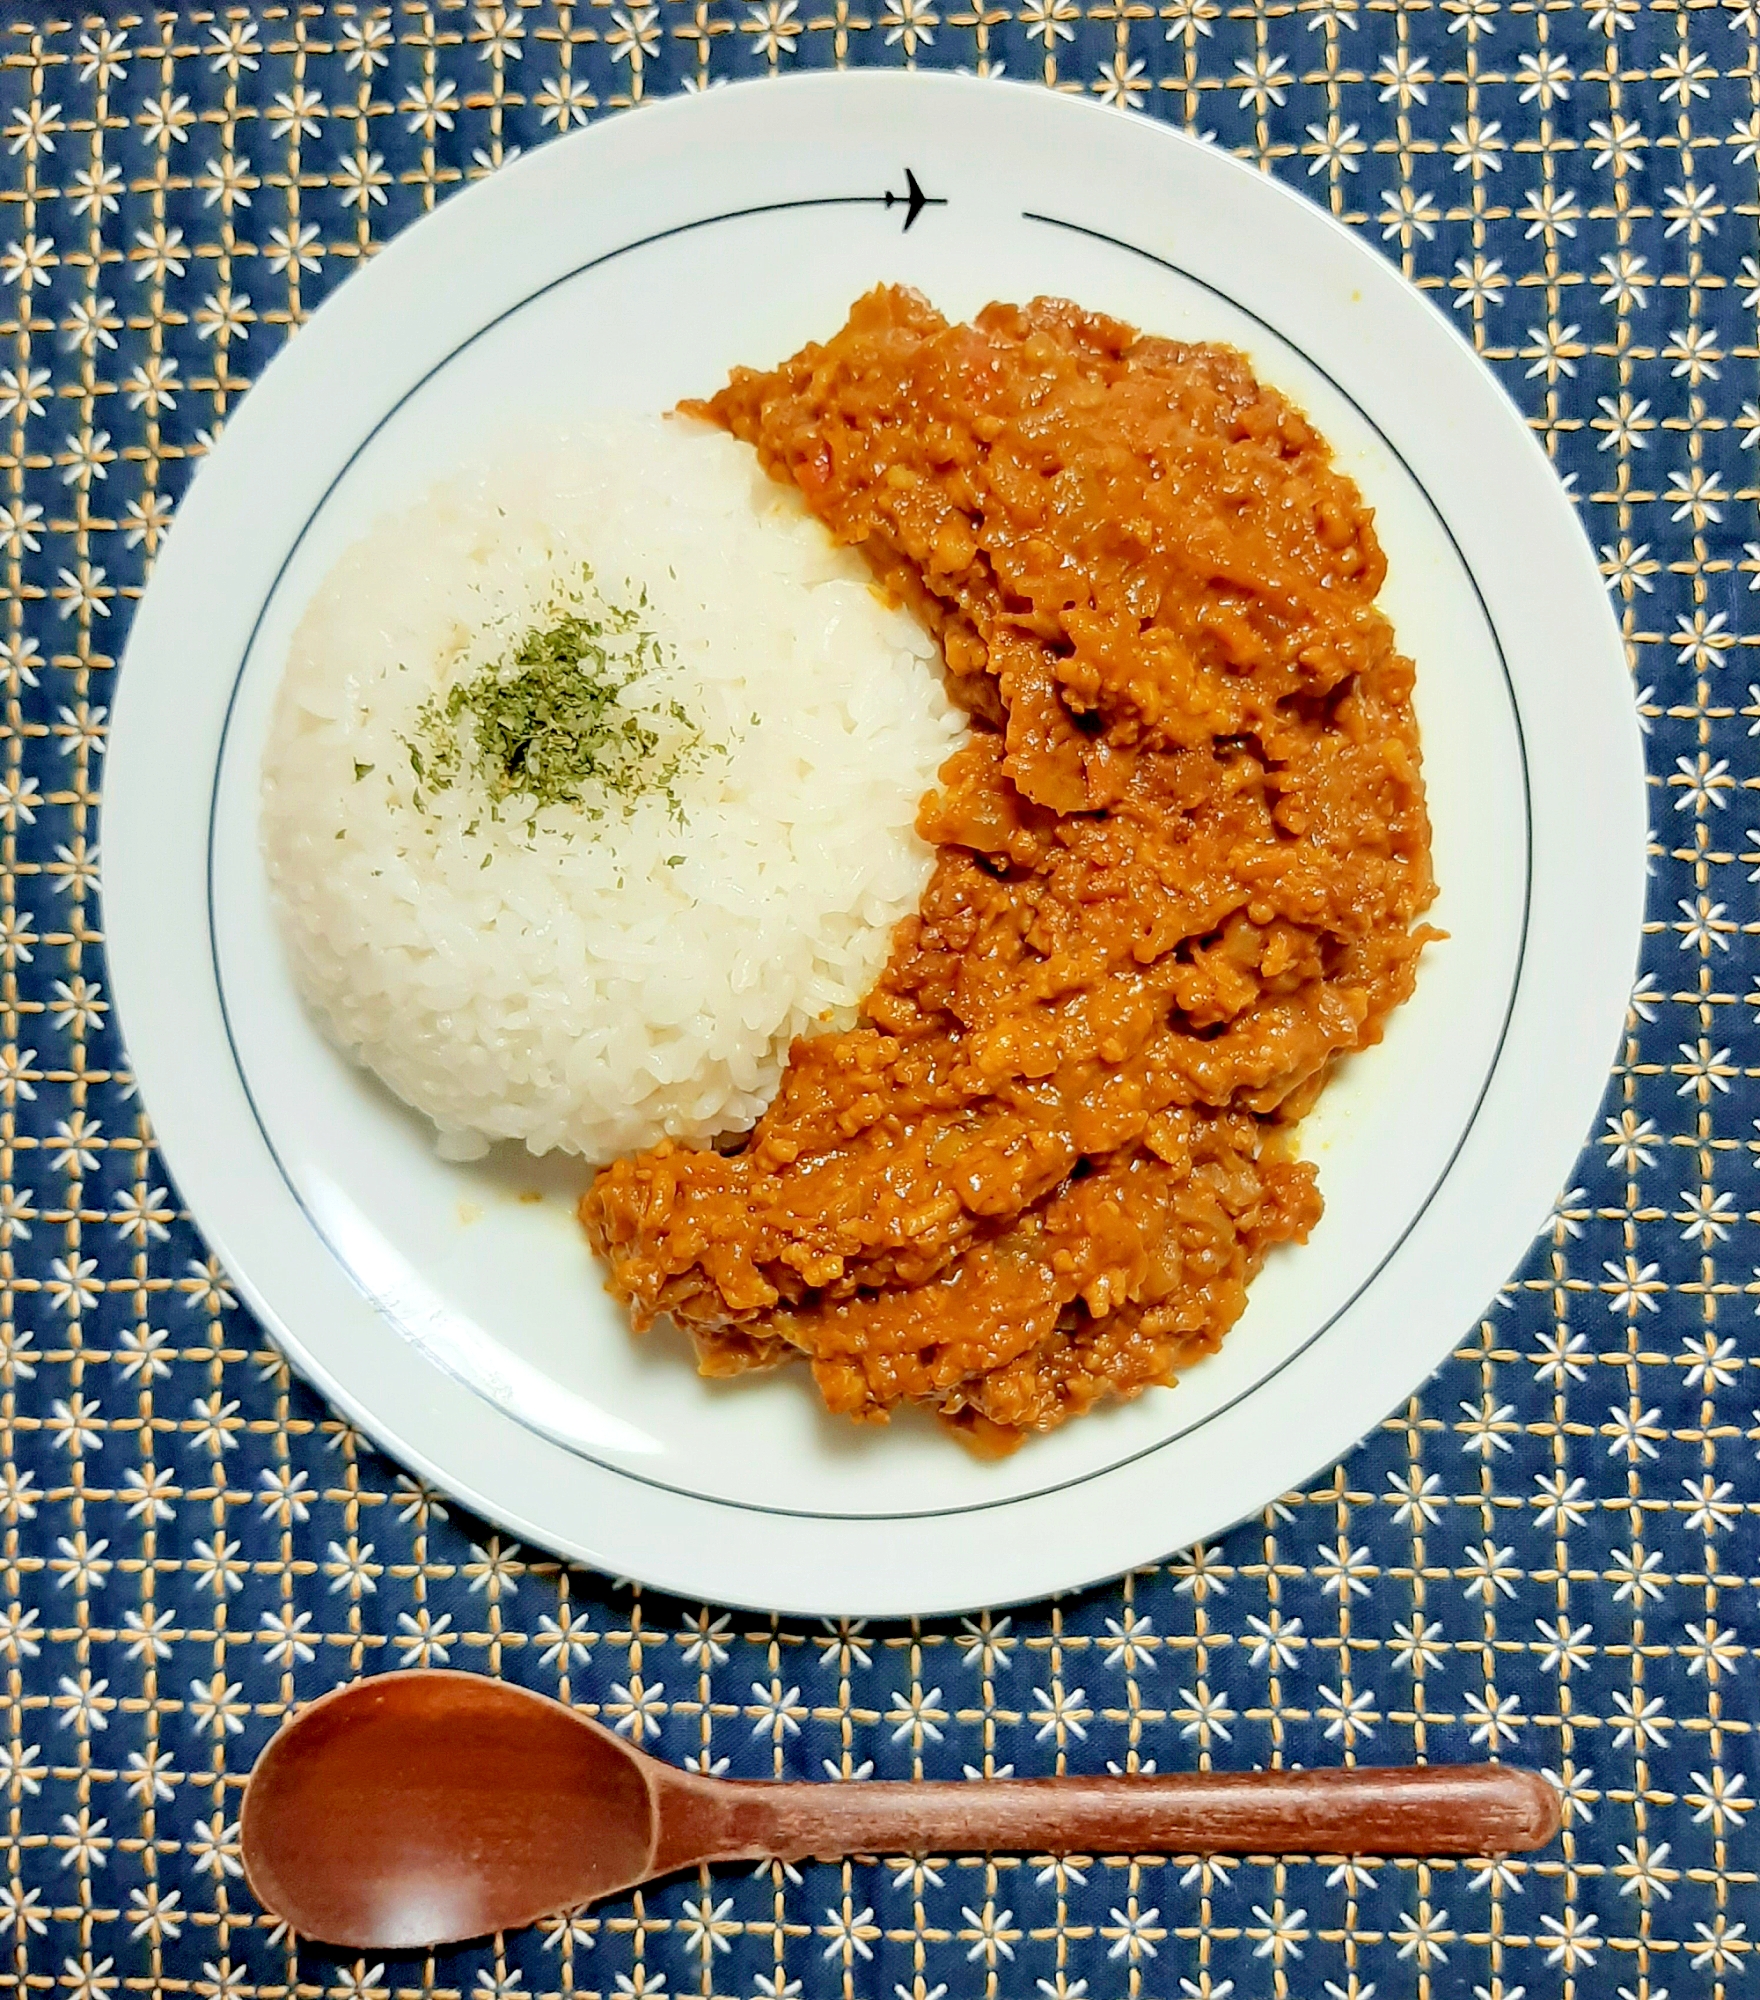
column 1549, row 1554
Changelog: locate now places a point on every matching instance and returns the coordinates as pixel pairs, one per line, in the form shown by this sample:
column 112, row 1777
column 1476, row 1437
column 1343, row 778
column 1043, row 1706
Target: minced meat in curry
column 1182, row 856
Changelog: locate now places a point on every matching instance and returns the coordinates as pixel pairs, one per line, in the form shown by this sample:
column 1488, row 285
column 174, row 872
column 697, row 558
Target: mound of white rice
column 584, row 983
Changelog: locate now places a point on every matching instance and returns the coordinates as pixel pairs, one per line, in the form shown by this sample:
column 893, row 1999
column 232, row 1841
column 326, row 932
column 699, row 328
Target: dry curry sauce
column 1181, row 861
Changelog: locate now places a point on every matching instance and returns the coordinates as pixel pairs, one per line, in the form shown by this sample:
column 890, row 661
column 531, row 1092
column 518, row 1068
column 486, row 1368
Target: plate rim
column 896, row 85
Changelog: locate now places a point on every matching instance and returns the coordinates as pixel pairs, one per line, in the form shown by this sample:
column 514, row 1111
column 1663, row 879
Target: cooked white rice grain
column 583, row 989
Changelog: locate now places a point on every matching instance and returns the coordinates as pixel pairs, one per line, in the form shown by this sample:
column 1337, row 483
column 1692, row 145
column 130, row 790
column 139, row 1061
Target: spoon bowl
column 422, row 1808
column 411, row 1808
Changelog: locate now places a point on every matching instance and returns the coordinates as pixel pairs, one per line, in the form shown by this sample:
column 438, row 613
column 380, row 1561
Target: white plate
column 631, row 265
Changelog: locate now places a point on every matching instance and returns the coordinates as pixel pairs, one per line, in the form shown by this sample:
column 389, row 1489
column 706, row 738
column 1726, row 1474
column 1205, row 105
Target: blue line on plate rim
column 1098, row 1472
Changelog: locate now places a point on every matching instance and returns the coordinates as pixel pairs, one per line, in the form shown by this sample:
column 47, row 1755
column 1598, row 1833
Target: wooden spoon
column 422, row 1808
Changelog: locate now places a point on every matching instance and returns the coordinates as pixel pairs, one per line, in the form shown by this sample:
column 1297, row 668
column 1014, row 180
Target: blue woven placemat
column 1546, row 1555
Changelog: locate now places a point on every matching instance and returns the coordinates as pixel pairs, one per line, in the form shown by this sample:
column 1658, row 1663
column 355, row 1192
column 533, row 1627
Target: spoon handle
column 1425, row 1809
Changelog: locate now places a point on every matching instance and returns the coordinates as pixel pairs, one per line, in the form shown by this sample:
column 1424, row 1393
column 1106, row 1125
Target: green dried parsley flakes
column 576, row 715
